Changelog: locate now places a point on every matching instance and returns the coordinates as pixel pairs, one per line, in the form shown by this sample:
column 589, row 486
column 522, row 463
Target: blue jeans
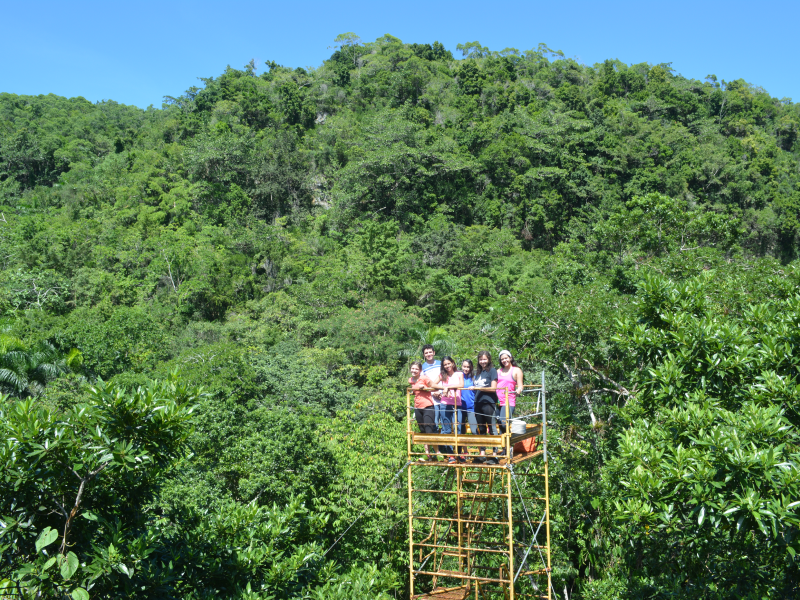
column 437, row 422
column 501, row 416
column 467, row 416
column 449, row 416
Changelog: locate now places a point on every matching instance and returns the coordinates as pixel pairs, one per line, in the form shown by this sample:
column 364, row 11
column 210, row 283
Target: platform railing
column 530, row 402
column 476, row 518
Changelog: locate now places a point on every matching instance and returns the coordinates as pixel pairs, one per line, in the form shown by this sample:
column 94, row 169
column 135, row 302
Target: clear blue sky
column 138, row 52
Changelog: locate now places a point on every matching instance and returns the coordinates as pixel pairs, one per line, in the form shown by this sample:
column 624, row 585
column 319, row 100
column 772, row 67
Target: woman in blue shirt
column 468, row 401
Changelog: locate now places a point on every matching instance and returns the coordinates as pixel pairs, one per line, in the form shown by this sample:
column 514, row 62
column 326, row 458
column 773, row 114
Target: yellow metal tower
column 478, row 529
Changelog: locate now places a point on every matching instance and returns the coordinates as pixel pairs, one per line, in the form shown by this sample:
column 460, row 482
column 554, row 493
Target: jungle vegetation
column 208, row 310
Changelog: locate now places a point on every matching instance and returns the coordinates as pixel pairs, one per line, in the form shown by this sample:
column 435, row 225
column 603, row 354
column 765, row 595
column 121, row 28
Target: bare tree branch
column 169, row 270
column 74, row 510
column 586, row 396
column 578, row 448
column 620, row 389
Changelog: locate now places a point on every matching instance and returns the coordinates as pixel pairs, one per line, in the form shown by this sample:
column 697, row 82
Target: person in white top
column 431, row 368
column 451, row 380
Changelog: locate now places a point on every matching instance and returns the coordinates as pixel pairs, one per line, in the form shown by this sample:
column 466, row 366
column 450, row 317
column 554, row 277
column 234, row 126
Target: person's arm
column 492, row 388
column 421, row 383
column 459, row 383
column 486, row 389
column 438, row 385
column 518, row 379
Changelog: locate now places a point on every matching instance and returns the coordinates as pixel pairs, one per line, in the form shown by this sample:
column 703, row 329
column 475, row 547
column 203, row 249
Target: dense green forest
column 208, row 312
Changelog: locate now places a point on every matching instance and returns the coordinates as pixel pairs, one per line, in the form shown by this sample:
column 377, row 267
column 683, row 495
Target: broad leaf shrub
column 708, row 472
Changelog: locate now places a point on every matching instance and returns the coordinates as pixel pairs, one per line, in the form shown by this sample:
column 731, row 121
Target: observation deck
column 479, row 527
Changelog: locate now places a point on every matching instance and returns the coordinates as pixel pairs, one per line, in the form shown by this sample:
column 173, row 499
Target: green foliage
column 370, row 335
column 289, row 238
column 40, row 290
column 85, row 477
column 126, row 339
column 710, row 461
column 656, row 224
column 366, row 466
column 27, row 370
column 74, row 476
column 245, row 552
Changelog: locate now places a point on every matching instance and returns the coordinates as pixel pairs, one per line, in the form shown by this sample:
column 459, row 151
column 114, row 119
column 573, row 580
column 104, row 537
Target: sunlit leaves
column 105, row 455
column 712, row 457
column 47, row 537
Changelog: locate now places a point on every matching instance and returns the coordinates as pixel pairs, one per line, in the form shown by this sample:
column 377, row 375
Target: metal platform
column 456, row 593
column 480, row 530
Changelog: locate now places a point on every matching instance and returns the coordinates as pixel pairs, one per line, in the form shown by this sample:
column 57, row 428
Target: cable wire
column 536, row 533
column 358, row 518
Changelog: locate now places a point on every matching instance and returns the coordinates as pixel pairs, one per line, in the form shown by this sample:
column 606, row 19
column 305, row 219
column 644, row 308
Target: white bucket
column 518, row 426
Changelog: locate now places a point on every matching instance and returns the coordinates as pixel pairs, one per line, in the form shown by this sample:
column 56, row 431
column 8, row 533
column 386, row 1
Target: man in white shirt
column 431, row 369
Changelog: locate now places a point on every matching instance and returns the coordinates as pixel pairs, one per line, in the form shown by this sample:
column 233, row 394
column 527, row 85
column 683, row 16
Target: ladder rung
column 468, row 549
column 459, row 575
column 535, row 572
column 483, row 494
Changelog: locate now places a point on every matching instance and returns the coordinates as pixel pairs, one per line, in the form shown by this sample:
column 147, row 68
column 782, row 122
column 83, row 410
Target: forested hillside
column 208, row 312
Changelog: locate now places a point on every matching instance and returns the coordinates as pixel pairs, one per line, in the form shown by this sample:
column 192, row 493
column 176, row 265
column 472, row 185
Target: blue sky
column 136, row 53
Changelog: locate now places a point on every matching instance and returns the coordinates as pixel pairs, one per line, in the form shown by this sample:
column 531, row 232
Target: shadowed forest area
column 209, row 309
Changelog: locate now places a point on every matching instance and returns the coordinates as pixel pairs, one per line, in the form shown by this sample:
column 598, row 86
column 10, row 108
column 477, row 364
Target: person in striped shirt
column 432, row 368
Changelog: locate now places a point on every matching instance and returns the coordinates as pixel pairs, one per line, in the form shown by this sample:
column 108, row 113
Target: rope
column 358, row 518
column 497, row 416
column 528, row 518
column 535, row 534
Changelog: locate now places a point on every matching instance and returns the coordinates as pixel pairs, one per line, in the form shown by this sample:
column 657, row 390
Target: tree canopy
column 208, row 312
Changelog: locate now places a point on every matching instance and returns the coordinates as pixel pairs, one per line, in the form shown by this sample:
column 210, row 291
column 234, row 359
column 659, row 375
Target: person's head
column 484, row 360
column 506, row 360
column 466, row 367
column 416, row 368
column 448, row 365
column 428, row 352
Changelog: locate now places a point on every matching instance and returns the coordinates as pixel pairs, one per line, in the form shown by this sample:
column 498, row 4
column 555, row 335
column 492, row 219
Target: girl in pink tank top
column 451, row 401
column 506, row 384
column 455, row 379
column 509, row 380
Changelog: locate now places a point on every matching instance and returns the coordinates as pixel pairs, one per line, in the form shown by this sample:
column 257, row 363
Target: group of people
column 444, row 396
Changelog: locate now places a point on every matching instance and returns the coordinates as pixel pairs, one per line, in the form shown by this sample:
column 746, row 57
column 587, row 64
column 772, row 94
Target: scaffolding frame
column 463, row 516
